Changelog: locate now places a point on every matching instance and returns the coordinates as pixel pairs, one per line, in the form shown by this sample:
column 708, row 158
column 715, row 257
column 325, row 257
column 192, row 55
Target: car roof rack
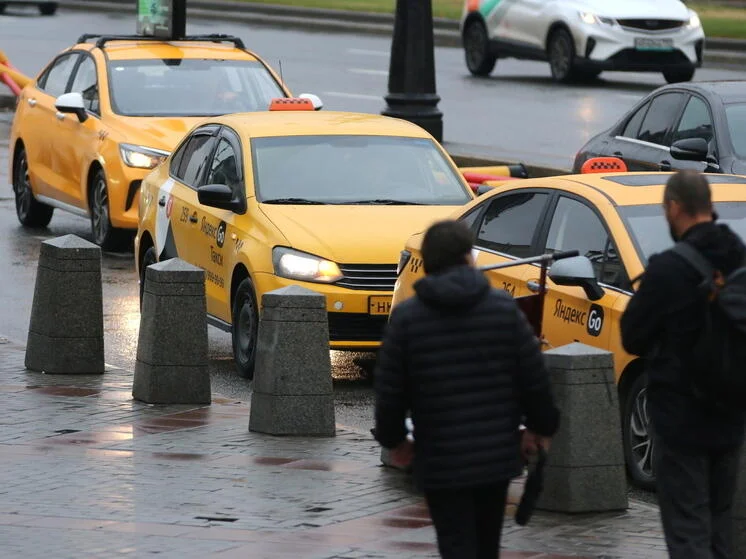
column 214, row 38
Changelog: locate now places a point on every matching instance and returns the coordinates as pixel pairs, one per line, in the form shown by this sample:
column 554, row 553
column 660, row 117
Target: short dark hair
column 691, row 190
column 446, row 244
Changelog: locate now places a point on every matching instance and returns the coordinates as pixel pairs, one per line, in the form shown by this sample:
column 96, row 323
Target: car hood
column 633, row 9
column 353, row 234
column 156, row 132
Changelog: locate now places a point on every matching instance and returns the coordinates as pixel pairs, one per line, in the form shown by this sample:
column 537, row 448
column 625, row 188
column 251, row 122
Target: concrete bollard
column 585, row 470
column 293, row 392
column 739, row 510
column 66, row 331
column 171, row 366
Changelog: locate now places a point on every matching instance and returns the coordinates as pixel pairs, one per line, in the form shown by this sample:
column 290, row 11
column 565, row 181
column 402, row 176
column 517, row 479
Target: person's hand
column 531, row 442
column 402, row 455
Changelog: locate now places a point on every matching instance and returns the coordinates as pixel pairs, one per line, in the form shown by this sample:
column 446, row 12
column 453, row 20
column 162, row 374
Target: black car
column 698, row 125
column 45, row 8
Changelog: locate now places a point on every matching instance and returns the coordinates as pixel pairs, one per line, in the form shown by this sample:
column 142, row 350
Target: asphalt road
column 518, row 114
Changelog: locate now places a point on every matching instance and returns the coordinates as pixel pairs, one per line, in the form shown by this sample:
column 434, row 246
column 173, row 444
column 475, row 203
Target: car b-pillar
column 412, row 94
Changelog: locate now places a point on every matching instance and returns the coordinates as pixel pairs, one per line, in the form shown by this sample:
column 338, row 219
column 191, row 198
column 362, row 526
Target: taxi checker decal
column 593, row 320
column 164, row 235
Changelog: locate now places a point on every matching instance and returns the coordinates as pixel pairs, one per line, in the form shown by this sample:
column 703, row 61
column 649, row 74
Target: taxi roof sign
column 604, row 165
column 291, row 104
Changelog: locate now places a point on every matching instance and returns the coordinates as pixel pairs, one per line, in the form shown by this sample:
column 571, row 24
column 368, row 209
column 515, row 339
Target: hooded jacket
column 661, row 324
column 462, row 358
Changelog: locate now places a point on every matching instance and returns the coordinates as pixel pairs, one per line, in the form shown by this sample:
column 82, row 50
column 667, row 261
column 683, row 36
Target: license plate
column 379, row 305
column 645, row 43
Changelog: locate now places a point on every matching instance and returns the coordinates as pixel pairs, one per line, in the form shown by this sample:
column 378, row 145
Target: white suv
column 582, row 38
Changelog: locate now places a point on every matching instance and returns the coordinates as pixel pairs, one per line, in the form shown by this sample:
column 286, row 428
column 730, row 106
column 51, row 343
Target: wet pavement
column 85, row 471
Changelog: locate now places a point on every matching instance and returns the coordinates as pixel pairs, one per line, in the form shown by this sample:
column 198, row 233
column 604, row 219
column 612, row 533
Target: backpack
column 719, row 353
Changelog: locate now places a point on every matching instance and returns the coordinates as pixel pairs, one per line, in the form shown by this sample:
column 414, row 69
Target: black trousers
column 695, row 494
column 468, row 522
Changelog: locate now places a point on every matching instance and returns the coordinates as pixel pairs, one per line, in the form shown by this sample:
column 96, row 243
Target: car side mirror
column 72, row 103
column 577, row 271
column 317, row 102
column 690, row 149
column 219, row 196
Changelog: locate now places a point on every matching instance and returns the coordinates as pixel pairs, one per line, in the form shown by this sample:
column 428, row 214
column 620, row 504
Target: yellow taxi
column 324, row 200
column 104, row 112
column 615, row 222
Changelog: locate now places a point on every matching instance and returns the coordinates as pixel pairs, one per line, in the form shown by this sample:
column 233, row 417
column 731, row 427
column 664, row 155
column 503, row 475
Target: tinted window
column 510, row 223
column 55, row 81
column 663, row 111
column 576, row 226
column 86, row 83
column 224, row 167
column 736, row 116
column 195, row 158
column 695, row 122
column 633, row 125
column 470, row 219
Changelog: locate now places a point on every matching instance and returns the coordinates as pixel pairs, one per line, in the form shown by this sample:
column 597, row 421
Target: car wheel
column 2, row 7
column 30, row 212
column 104, row 234
column 150, row 257
column 245, row 318
column 678, row 76
column 562, row 56
column 48, row 8
column 639, row 447
column 479, row 60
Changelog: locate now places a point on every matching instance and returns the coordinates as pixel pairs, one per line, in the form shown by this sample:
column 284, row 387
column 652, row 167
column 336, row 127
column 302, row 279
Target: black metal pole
column 412, row 93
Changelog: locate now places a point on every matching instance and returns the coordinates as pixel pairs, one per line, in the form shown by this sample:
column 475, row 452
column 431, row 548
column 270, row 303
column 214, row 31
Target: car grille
column 631, row 59
column 373, row 277
column 353, row 327
column 651, row 24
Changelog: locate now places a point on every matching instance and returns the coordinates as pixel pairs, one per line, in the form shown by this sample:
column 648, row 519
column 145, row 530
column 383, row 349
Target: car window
column 195, row 158
column 660, row 118
column 736, row 116
column 224, row 167
column 633, row 124
column 575, row 226
column 470, row 219
column 85, row 82
column 56, row 79
column 695, row 122
column 510, row 223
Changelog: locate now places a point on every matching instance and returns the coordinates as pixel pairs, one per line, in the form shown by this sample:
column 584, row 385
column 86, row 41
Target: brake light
column 604, row 165
column 291, row 104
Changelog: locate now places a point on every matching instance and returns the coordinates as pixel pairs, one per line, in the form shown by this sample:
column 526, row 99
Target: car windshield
column 190, row 87
column 354, row 170
column 649, row 228
column 736, row 116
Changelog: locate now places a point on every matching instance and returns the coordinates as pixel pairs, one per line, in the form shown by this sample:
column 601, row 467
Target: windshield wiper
column 293, row 201
column 385, row 202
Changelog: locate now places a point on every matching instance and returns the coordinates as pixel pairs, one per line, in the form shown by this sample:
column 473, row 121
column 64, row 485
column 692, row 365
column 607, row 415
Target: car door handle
column 533, row 286
column 618, row 154
column 162, row 201
column 32, row 102
column 664, row 165
column 193, row 218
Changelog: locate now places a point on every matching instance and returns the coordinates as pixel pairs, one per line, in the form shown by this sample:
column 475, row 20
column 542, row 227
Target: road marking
column 368, row 71
column 354, row 95
column 367, row 52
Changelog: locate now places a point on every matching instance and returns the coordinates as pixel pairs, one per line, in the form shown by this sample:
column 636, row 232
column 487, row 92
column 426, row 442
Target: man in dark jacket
column 462, row 358
column 697, row 444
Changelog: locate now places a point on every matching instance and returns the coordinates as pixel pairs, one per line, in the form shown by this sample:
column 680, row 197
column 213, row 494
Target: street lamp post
column 412, row 93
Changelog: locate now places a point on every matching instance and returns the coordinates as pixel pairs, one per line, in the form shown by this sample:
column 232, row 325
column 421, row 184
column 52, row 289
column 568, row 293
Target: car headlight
column 293, row 264
column 593, row 19
column 694, row 21
column 141, row 157
column 403, row 259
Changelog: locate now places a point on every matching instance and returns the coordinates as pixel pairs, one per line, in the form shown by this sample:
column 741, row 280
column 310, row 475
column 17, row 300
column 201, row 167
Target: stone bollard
column 66, row 331
column 171, row 366
column 585, row 470
column 292, row 392
column 739, row 510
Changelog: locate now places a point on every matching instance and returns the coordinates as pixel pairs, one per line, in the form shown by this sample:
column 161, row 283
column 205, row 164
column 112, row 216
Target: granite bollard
column 292, row 391
column 66, row 331
column 172, row 365
column 585, row 469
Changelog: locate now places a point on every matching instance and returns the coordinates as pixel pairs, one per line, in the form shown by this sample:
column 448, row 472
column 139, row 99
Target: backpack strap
column 697, row 261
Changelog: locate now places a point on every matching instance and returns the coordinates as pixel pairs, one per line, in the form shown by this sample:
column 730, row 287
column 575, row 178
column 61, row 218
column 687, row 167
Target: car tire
column 587, row 75
column 30, row 212
column 561, row 54
column 104, row 233
column 637, row 439
column 48, row 8
column 3, row 5
column 678, row 76
column 479, row 59
column 150, row 257
column 245, row 320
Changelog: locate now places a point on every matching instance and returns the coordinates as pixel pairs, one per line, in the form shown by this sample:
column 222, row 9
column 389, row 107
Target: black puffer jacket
column 463, row 359
column 661, row 323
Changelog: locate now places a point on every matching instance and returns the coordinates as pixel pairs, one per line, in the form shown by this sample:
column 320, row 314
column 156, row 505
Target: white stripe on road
column 368, row 71
column 354, row 95
column 367, row 52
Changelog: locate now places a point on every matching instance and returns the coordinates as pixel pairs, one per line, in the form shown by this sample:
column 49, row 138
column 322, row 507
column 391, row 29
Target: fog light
column 339, row 305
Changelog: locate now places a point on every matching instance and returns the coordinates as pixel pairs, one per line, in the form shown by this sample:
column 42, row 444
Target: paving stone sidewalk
column 86, row 471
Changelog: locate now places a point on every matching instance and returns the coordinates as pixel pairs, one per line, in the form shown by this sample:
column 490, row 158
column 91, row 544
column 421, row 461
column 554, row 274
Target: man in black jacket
column 462, row 358
column 697, row 445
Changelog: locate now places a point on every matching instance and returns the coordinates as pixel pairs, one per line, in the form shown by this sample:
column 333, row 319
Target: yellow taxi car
column 101, row 115
column 324, row 200
column 616, row 222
